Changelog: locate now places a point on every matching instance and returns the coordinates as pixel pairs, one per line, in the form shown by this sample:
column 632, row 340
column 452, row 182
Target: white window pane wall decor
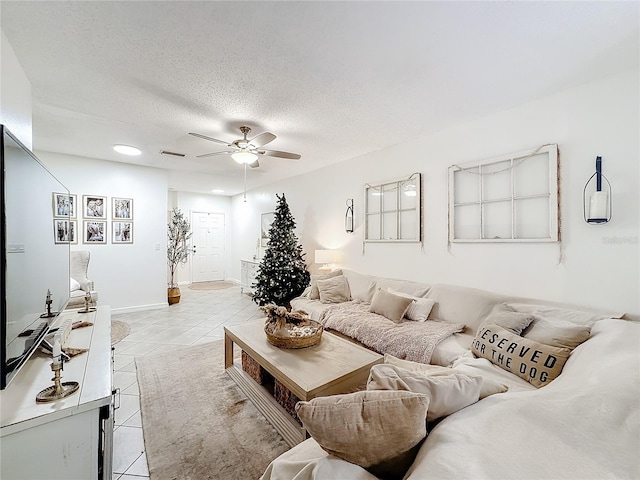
column 393, row 210
column 511, row 198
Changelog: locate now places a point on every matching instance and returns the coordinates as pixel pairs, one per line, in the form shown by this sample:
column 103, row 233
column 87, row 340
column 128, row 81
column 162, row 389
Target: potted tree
column 178, row 232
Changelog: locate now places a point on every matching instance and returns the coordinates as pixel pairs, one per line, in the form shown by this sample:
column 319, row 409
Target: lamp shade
column 325, row 256
column 244, row 157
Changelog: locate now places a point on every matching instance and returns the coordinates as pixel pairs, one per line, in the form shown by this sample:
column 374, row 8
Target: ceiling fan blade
column 276, row 153
column 210, row 139
column 216, row 153
column 255, row 164
column 262, row 139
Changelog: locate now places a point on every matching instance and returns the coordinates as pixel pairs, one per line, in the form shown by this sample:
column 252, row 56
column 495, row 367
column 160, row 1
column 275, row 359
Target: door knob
column 194, row 249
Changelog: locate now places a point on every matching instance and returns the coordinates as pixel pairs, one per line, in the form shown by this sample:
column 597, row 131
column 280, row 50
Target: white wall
column 126, row 276
column 15, row 94
column 193, row 202
column 594, row 266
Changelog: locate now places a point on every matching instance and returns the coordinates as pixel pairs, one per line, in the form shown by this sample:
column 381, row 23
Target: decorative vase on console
column 178, row 232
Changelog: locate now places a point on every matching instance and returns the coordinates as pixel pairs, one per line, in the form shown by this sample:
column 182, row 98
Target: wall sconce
column 325, row 257
column 348, row 216
column 599, row 200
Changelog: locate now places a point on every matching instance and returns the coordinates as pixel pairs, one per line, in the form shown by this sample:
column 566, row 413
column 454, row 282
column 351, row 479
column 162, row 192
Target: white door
column 207, row 242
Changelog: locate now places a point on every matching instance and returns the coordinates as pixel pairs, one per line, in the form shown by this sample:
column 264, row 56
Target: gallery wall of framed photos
column 93, row 221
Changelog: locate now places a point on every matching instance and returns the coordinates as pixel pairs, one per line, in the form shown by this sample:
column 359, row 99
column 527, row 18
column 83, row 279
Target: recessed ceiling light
column 127, row 150
column 217, row 190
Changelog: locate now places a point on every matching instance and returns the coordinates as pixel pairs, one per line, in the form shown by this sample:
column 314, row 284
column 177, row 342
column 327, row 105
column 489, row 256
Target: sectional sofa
column 527, row 389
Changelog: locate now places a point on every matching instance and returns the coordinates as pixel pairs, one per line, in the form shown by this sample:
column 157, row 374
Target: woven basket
column 294, row 342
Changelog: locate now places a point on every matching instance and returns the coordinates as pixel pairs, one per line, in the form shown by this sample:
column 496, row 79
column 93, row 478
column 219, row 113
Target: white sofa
column 584, row 424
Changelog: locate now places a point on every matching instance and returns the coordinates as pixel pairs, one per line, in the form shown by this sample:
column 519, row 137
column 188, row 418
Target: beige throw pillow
column 420, row 307
column 315, row 293
column 506, row 317
column 391, row 306
column 334, row 290
column 447, row 393
column 379, row 430
column 557, row 333
column 488, row 387
column 537, row 363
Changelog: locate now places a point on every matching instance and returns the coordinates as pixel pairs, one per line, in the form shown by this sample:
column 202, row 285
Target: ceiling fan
column 246, row 151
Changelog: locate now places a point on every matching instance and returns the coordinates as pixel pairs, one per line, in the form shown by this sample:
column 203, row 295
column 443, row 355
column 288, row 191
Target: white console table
column 248, row 273
column 71, row 438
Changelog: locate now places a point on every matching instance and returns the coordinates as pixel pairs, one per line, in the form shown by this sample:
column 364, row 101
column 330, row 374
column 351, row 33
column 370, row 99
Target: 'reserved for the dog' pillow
column 447, row 393
column 536, row 362
column 379, row 430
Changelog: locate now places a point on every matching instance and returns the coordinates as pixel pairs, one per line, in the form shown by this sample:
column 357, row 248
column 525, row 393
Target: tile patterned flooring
column 198, row 318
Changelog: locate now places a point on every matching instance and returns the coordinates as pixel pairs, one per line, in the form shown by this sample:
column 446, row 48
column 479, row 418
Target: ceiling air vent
column 175, row 154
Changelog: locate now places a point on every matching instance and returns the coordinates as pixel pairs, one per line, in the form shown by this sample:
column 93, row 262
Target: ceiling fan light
column 244, row 157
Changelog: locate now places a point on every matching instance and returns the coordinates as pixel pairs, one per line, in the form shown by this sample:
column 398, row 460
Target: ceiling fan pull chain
column 245, row 183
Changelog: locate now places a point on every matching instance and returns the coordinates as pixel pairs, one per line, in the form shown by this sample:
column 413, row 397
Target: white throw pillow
column 362, row 287
column 488, row 387
column 73, row 285
column 447, row 393
column 420, row 308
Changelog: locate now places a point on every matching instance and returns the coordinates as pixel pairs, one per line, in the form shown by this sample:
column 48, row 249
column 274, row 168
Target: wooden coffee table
column 333, row 366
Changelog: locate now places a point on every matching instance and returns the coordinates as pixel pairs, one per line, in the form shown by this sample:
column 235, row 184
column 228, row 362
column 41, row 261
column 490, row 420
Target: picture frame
column 94, row 206
column 122, row 208
column 266, row 219
column 64, row 205
column 121, row 232
column 94, row 232
column 65, row 231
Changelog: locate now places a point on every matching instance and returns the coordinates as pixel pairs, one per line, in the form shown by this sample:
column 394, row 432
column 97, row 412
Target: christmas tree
column 282, row 273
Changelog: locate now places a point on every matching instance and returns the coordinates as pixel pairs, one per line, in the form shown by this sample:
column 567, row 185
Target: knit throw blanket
column 408, row 340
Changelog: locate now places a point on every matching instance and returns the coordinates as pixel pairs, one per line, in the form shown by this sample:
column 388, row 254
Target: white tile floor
column 198, row 318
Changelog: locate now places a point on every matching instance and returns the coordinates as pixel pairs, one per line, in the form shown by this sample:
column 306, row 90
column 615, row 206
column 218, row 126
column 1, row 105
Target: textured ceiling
column 333, row 80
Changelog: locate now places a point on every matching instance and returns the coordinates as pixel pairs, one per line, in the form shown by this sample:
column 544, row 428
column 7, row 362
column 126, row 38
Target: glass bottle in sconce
column 348, row 217
column 599, row 200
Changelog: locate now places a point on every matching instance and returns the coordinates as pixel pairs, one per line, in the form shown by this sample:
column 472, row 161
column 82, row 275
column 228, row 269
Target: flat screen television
column 34, row 260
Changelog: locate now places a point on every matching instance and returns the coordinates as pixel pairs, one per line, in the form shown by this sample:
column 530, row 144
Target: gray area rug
column 119, row 331
column 196, row 422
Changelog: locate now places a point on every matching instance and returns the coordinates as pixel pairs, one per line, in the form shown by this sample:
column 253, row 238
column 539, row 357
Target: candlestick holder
column 87, row 304
column 48, row 302
column 59, row 389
